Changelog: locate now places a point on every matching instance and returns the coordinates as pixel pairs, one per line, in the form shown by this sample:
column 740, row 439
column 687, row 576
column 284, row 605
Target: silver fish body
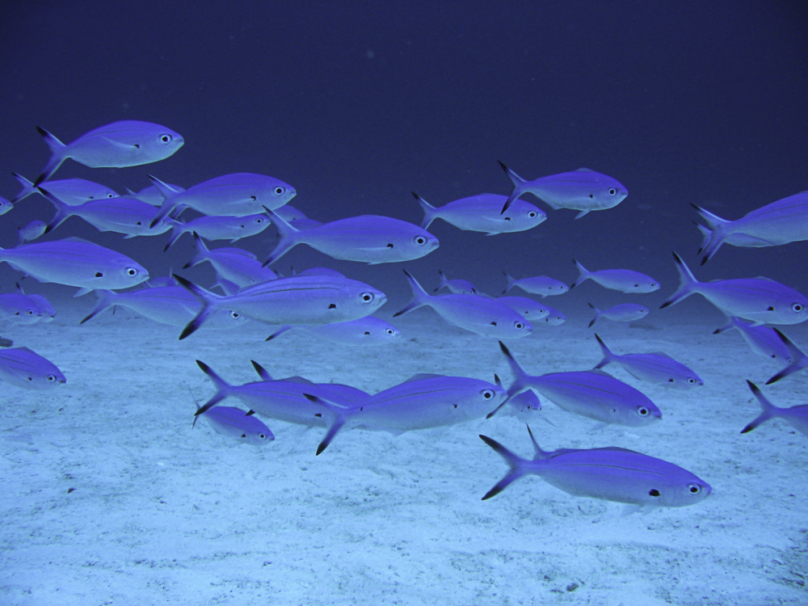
column 219, row 228
column 363, row 331
column 70, row 191
column 529, row 309
column 19, row 308
column 456, row 286
column 543, row 286
column 152, row 195
column 763, row 340
column 238, row 424
column 31, row 231
column 483, row 213
column 25, row 368
column 624, row 312
column 623, row 280
column 656, row 368
column 235, row 265
column 796, row 416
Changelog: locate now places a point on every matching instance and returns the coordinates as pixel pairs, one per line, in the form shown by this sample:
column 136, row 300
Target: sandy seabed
column 110, row 497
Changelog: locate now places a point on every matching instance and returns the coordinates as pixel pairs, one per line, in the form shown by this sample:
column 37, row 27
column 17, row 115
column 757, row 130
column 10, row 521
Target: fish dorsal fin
column 298, row 379
column 584, row 170
column 421, row 376
column 600, row 372
column 765, row 278
column 614, row 449
column 660, row 353
column 77, row 239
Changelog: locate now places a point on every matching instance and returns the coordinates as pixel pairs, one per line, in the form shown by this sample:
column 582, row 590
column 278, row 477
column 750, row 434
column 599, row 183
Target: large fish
column 293, row 300
column 368, row 238
column 591, row 393
column 363, row 331
column 27, row 369
column 75, row 262
column 657, row 368
column 624, row 280
column 219, row 228
column 611, row 474
column 544, row 286
column 583, row 190
column 235, row 195
column 69, row 191
column 761, row 300
column 796, row 416
column 235, row 265
column 422, row 402
column 476, row 313
column 774, row 224
column 483, row 213
column 115, row 145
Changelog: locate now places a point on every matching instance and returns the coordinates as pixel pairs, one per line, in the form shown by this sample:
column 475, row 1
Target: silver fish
column 46, row 310
column 75, row 262
column 657, row 368
column 543, row 286
column 235, row 265
column 624, row 280
column 19, row 309
column 583, row 190
column 476, row 313
column 798, row 360
column 553, row 317
column 115, row 145
column 424, row 401
column 774, row 224
column 31, row 231
column 5, row 205
column 236, row 423
column 363, row 331
column 796, row 416
column 151, row 195
column 528, row 308
column 294, row 300
column 763, row 340
column 483, row 213
column 234, row 195
column 456, row 286
column 593, row 394
column 27, row 369
column 624, row 312
column 611, row 474
column 218, row 228
column 761, row 300
column 70, row 191
column 369, row 239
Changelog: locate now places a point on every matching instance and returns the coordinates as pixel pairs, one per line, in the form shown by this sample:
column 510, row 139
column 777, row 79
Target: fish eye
column 279, row 191
column 518, row 325
column 51, row 378
column 798, row 307
column 367, row 297
column 165, row 138
column 643, row 411
column 235, row 315
column 110, row 195
column 612, row 191
column 532, row 214
column 419, row 240
column 263, row 436
column 131, row 272
column 691, row 381
column 487, row 394
column 694, row 488
column 390, row 332
column 653, row 492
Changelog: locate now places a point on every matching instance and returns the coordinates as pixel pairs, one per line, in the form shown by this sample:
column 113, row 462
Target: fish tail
column 419, row 296
column 608, row 356
column 289, row 237
column 168, row 204
column 518, row 186
column 58, row 152
column 262, row 372
column 27, row 188
column 202, row 252
column 520, row 383
column 209, row 300
column 176, row 231
column 223, row 389
column 338, row 419
column 429, row 211
column 63, row 211
column 597, row 315
column 585, row 274
column 714, row 234
column 106, row 299
column 769, row 409
column 687, row 283
column 279, row 332
column 516, row 464
column 443, row 281
column 511, row 282
column 798, row 358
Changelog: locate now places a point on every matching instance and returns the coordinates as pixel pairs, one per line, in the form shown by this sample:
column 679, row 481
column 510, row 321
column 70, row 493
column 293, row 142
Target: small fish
column 32, row 231
column 763, row 340
column 27, row 369
column 553, row 317
column 218, row 228
column 625, row 312
column 540, row 285
column 774, row 224
column 236, row 423
column 611, row 474
column 523, row 406
column 151, row 195
column 234, row 195
column 591, row 393
column 368, row 239
column 624, row 280
column 293, row 300
column 235, row 265
column 528, row 308
column 583, row 190
column 5, row 205
column 363, row 331
column 46, row 310
column 115, row 145
column 761, row 300
column 70, row 191
column 797, row 362
column 19, row 309
column 456, row 286
column 75, row 262
column 796, row 416
column 424, row 401
column 476, row 313
column 483, row 213
column 657, row 368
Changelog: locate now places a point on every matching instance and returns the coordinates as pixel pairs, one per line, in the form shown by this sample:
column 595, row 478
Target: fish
column 796, row 416
column 293, row 300
column 624, row 280
column 610, row 473
column 657, row 368
column 234, row 195
column 624, row 312
column 46, row 310
column 528, row 308
column 368, row 239
column 33, row 230
column 774, row 224
column 5, row 205
column 424, row 401
column 523, row 406
column 219, row 228
column 75, row 262
column 476, row 313
column 170, row 305
column 234, row 422
column 590, row 393
column 19, row 308
column 553, row 317
column 363, row 331
column 70, row 191
column 456, row 286
column 584, row 190
column 483, row 213
column 235, row 265
column 25, row 368
column 763, row 340
column 116, row 145
column 123, row 215
column 543, row 286
column 761, row 300
column 798, row 360
column 151, row 195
